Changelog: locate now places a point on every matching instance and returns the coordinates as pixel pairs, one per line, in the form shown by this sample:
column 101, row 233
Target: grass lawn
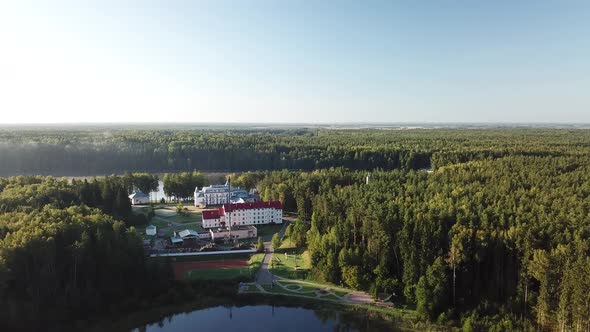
column 164, row 213
column 331, row 297
column 267, row 231
column 280, row 290
column 140, row 209
column 159, row 223
column 285, row 266
column 255, row 262
column 306, row 286
column 287, row 244
column 190, row 218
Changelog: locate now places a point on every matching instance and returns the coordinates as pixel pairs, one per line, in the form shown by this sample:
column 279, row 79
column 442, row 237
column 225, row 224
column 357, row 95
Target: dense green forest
column 495, row 237
column 106, row 151
column 500, row 241
column 68, row 250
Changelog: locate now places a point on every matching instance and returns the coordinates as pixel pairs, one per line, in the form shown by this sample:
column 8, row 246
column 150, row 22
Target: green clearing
column 159, row 223
column 255, row 262
column 165, row 213
column 281, row 291
column 311, row 287
column 267, row 231
column 188, row 218
column 305, row 288
column 284, row 266
column 287, row 244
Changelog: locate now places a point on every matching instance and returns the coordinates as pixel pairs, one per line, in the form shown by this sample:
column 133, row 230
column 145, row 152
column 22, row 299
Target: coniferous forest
column 496, row 236
column 60, row 152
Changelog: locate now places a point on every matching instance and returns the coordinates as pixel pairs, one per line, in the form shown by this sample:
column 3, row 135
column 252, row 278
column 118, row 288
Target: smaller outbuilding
column 237, row 232
column 138, row 198
column 151, row 230
column 176, row 241
column 188, row 236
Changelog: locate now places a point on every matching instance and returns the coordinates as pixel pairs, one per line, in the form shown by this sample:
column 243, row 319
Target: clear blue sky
column 295, row 61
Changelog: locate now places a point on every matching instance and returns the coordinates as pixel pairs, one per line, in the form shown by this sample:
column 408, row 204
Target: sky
column 287, row 61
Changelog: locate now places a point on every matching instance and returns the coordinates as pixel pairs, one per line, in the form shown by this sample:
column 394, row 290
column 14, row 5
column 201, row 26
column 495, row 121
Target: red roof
column 254, row 205
column 212, row 214
column 215, row 214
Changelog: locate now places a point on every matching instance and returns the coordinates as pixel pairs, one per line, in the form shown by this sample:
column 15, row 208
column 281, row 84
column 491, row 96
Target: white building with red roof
column 242, row 214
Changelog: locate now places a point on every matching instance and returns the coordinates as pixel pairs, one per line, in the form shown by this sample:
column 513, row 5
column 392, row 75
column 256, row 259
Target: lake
column 261, row 318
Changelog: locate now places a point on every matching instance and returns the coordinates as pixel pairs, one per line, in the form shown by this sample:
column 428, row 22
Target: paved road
column 264, row 276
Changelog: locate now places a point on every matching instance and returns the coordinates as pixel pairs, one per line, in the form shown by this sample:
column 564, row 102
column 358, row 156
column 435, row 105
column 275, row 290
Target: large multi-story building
column 213, row 195
column 241, row 214
column 219, row 194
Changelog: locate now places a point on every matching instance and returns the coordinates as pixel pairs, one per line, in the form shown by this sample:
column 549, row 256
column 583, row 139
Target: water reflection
column 260, row 318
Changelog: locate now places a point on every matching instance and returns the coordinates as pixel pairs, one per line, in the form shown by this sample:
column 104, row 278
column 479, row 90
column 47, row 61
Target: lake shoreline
column 389, row 318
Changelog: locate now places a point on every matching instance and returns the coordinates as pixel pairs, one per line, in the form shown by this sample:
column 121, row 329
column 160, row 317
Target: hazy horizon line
column 286, row 123
column 319, row 125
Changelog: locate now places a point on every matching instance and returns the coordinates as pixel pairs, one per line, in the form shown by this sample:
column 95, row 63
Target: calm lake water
column 262, row 318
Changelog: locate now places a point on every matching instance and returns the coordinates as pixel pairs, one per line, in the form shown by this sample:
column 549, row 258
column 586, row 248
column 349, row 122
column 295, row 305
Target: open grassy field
column 159, row 223
column 190, row 217
column 165, row 213
column 291, row 265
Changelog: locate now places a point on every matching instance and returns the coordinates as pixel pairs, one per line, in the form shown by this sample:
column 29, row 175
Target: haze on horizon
column 294, row 61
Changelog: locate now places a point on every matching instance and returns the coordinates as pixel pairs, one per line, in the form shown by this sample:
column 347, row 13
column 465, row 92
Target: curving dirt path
column 265, row 277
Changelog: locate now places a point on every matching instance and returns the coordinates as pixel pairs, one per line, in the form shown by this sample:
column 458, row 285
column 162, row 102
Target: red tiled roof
column 254, row 205
column 212, row 214
column 215, row 214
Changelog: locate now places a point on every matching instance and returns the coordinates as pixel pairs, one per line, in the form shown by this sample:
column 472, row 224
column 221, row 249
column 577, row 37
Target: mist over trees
column 87, row 151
